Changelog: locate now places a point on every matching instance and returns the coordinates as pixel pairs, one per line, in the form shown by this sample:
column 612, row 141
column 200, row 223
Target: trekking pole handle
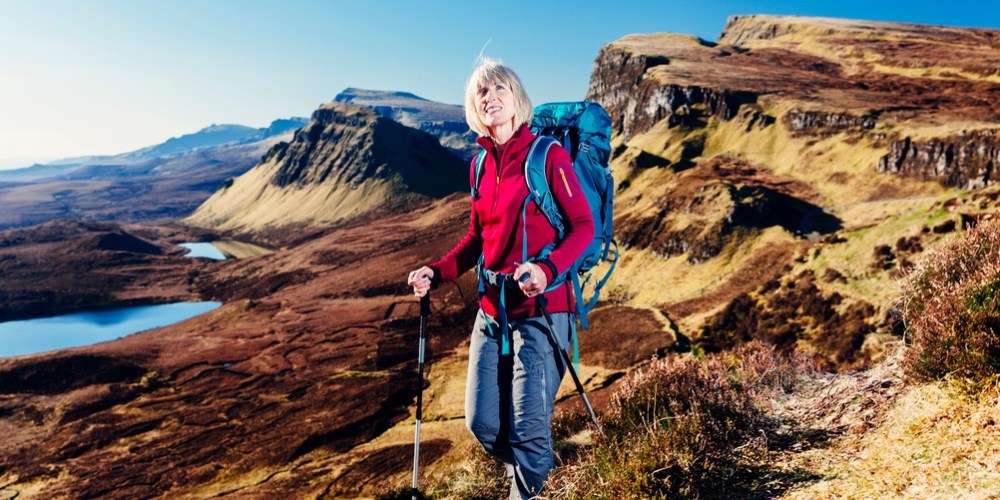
column 425, row 302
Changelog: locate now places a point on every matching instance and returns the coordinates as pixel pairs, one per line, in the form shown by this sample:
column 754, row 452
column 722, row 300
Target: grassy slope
column 925, row 440
column 840, row 168
column 253, row 203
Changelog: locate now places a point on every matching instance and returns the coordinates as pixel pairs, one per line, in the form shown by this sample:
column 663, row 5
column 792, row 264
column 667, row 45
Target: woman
column 514, row 372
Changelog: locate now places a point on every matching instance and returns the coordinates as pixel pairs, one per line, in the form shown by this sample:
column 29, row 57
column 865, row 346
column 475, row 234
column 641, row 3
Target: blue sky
column 104, row 77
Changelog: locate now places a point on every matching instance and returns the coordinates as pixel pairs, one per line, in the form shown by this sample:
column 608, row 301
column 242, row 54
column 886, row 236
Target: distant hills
column 166, row 181
column 136, row 186
column 209, row 137
column 214, row 136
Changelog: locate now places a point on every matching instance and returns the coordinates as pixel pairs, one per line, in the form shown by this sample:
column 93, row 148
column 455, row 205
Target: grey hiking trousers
column 509, row 397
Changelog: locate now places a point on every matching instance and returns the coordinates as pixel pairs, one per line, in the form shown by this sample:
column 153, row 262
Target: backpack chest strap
column 494, row 279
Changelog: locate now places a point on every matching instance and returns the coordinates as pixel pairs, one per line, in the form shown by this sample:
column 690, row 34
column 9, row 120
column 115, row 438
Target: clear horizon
column 106, row 77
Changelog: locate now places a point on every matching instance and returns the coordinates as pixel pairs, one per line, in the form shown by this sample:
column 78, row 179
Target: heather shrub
column 952, row 309
column 681, row 427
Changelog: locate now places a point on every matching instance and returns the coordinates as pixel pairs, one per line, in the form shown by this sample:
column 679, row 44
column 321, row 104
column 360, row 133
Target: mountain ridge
column 347, row 161
column 446, row 121
column 214, row 135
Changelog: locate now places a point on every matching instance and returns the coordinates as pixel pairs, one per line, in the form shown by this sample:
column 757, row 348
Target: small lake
column 204, row 250
column 79, row 329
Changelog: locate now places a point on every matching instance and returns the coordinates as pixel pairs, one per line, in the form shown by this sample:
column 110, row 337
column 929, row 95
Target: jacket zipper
column 496, row 189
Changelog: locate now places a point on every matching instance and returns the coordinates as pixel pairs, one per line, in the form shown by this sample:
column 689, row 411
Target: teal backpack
column 584, row 130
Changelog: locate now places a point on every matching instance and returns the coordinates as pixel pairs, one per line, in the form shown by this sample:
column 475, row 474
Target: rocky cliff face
column 819, row 122
column 966, row 160
column 777, row 134
column 624, row 83
column 444, row 121
column 347, row 161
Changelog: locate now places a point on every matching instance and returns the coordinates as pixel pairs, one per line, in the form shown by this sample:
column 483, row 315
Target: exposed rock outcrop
column 968, row 160
column 825, row 122
column 444, row 121
column 623, row 82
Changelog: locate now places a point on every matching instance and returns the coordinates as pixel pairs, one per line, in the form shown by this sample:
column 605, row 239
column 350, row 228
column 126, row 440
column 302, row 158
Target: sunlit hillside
column 805, row 304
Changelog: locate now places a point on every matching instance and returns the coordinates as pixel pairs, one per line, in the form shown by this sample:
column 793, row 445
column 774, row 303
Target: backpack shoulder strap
column 478, row 173
column 538, row 184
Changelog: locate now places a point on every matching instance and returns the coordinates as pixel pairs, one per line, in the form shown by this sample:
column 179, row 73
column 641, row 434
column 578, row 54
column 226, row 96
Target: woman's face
column 495, row 104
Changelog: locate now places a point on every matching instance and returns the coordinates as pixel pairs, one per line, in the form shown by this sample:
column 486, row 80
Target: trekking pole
column 425, row 310
column 553, row 337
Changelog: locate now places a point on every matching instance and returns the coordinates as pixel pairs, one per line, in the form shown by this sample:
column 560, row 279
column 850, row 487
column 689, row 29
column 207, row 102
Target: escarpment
column 966, row 160
column 754, row 157
column 624, row 84
column 347, row 161
column 444, row 121
column 820, row 122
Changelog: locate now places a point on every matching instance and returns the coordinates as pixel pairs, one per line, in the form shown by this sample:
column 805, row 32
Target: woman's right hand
column 420, row 280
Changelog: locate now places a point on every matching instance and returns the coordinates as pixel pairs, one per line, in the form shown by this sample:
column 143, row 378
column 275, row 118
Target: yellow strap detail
column 568, row 190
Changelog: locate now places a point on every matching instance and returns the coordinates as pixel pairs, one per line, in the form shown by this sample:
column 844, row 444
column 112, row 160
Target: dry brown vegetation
column 784, row 313
column 952, row 309
column 752, row 211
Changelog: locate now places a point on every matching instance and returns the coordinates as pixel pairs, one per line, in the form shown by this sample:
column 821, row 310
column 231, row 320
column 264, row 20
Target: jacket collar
column 518, row 142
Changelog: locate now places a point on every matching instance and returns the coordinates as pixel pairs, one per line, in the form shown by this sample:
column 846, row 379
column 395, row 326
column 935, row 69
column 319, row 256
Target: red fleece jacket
column 495, row 225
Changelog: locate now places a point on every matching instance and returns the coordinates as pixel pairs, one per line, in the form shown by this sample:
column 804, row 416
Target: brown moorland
column 755, row 202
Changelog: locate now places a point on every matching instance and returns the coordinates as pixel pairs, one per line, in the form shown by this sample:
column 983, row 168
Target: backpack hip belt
column 500, row 282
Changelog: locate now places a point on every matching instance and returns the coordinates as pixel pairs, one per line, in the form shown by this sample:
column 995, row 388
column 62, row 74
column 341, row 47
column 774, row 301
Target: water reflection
column 85, row 328
column 204, row 250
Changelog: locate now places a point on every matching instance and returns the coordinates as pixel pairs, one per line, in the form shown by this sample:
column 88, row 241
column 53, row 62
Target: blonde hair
column 486, row 71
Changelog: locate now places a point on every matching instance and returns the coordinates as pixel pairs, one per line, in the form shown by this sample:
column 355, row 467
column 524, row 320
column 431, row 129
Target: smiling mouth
column 492, row 109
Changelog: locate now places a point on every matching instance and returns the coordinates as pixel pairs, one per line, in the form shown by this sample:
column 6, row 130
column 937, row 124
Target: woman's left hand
column 536, row 282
